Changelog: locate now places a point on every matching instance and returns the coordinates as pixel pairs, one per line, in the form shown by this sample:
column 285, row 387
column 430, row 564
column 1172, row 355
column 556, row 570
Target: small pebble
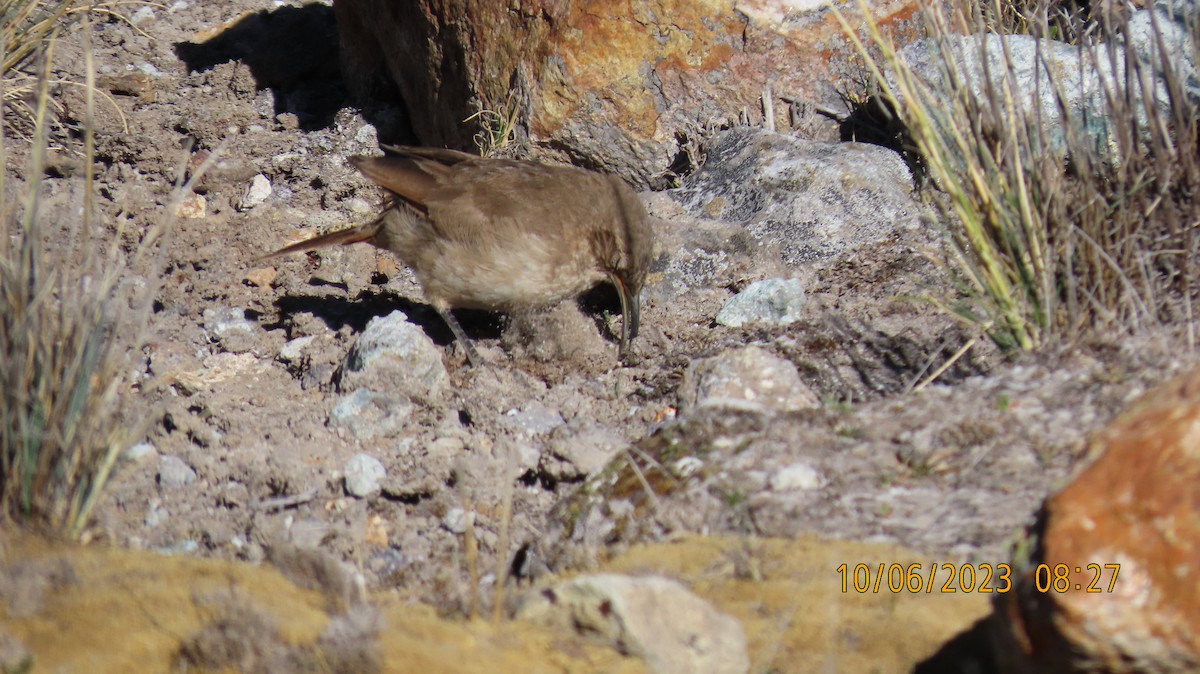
column 363, row 475
column 257, row 192
column 455, row 521
column 192, row 207
column 174, row 473
column 141, row 14
column 140, row 451
column 797, row 476
column 294, row 349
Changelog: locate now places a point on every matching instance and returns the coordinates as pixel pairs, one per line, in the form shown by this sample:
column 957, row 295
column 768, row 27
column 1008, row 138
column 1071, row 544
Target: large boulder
column 625, row 86
column 1110, row 580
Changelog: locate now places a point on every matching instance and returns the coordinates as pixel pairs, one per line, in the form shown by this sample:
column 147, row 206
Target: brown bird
column 502, row 234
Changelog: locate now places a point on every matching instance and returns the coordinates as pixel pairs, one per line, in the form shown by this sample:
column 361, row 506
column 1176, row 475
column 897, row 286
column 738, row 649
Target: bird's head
column 631, row 250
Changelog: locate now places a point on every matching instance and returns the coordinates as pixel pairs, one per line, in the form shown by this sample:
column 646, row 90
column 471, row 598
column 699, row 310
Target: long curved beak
column 631, row 310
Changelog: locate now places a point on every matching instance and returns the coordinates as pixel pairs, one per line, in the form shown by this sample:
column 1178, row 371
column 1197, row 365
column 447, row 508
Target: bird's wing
column 441, row 155
column 412, row 174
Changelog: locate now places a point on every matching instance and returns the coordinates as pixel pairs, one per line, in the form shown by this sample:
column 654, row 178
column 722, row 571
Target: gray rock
column 805, row 199
column 775, row 301
column 1036, row 67
column 584, row 448
column 174, row 473
column 699, row 253
column 368, row 414
column 363, row 474
column 535, row 419
column 295, row 348
column 397, row 357
column 745, row 377
column 229, row 328
column 651, row 617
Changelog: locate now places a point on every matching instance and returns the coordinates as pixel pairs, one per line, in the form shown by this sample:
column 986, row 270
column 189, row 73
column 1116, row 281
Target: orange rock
column 377, row 532
column 1134, row 514
column 261, row 277
column 192, row 206
column 386, row 266
column 623, row 85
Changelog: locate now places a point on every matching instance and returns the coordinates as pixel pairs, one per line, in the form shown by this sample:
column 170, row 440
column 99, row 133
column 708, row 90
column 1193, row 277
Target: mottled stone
column 802, row 200
column 745, row 377
column 394, row 356
column 1049, row 77
column 774, row 301
column 368, row 414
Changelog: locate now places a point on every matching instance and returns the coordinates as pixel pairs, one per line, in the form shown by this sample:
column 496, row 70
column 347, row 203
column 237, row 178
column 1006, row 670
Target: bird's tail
column 344, row 237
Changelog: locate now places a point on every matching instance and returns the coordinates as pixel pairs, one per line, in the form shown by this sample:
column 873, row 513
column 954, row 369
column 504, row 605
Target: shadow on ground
column 293, row 51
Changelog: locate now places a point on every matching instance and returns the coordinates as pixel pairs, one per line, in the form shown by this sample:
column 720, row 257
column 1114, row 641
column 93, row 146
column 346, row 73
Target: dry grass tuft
column 1065, row 219
column 69, row 319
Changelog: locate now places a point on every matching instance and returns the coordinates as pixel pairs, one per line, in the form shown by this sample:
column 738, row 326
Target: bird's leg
column 472, row 355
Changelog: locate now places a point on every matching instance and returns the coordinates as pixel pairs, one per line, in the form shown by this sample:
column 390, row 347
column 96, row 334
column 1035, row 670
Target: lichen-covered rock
column 806, row 199
column 774, row 301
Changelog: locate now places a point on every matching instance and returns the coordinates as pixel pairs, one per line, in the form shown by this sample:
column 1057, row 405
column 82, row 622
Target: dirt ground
column 950, row 472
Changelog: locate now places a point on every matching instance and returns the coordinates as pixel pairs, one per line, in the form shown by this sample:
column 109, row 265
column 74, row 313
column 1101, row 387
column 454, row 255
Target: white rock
column 797, row 476
column 393, row 354
column 747, row 377
column 455, row 521
column 363, row 474
column 140, row 451
column 687, row 466
column 257, row 192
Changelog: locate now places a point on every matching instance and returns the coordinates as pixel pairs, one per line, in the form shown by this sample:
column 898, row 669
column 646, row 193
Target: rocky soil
column 314, row 401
